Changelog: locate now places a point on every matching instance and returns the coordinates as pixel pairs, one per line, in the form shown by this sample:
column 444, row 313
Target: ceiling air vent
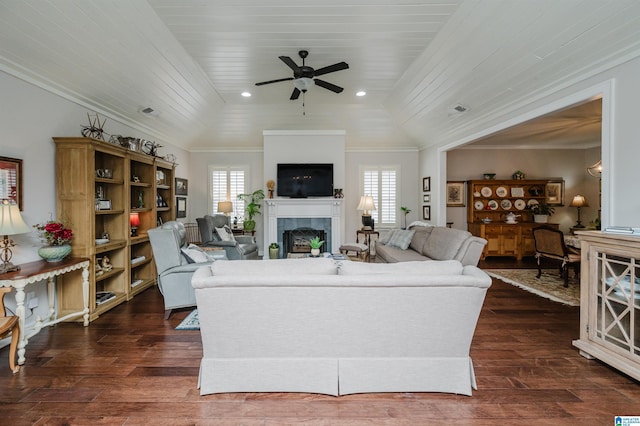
column 458, row 109
column 149, row 111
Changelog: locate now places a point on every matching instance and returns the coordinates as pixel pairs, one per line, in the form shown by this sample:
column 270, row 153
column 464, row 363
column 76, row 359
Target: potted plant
column 315, row 244
column 406, row 211
column 274, row 251
column 541, row 212
column 252, row 208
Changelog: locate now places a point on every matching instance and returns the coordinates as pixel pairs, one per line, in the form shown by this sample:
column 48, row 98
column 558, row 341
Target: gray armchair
column 243, row 248
column 174, row 270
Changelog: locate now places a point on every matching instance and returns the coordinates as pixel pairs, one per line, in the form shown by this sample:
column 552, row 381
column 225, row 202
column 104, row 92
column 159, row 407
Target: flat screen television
column 305, row 180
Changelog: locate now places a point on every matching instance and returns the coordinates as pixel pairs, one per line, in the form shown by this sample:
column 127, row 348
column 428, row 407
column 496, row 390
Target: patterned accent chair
column 550, row 244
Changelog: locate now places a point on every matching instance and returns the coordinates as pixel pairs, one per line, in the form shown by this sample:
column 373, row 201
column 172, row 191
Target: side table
column 367, row 239
column 33, row 272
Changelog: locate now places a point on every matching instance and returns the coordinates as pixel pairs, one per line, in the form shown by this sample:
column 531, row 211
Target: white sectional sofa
column 315, row 325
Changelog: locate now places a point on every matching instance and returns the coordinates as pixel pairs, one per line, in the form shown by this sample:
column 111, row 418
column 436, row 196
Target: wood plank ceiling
column 191, row 59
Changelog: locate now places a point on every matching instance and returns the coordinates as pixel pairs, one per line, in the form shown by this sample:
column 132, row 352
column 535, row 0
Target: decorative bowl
column 102, row 240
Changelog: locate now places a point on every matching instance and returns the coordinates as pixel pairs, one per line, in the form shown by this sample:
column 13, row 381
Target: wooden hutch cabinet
column 610, row 300
column 488, row 204
column 100, row 187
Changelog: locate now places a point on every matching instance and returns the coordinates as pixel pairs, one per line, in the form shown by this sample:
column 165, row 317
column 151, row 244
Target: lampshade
column 596, row 169
column 579, row 201
column 134, row 219
column 225, row 207
column 11, row 222
column 366, row 203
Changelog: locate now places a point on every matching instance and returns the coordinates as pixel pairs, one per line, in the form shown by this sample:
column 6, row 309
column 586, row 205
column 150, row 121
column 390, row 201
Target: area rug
column 191, row 322
column 550, row 285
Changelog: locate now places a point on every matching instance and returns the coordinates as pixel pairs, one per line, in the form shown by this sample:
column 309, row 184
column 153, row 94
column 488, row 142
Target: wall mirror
column 11, row 180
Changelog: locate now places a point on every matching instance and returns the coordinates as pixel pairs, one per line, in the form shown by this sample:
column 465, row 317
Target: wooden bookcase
column 493, row 200
column 96, row 204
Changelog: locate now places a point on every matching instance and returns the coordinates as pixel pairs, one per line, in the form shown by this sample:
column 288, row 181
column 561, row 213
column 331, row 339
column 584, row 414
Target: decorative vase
column 540, row 218
column 249, row 225
column 54, row 253
column 274, row 252
column 315, row 252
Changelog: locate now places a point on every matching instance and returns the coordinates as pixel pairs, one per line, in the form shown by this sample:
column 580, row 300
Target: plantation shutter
column 382, row 184
column 226, row 184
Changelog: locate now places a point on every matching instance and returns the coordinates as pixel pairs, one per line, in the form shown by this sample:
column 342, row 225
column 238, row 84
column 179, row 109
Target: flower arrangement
column 54, row 233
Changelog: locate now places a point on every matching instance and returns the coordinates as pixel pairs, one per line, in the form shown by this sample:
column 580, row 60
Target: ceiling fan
column 305, row 76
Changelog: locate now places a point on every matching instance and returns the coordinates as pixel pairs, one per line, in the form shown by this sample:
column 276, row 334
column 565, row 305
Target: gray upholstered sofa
column 429, row 243
column 317, row 325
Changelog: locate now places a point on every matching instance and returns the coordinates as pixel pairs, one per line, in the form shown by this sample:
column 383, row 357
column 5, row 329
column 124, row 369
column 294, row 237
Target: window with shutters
column 381, row 182
column 226, row 183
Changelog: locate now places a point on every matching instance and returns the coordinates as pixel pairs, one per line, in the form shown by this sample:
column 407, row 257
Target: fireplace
column 284, row 214
column 297, row 240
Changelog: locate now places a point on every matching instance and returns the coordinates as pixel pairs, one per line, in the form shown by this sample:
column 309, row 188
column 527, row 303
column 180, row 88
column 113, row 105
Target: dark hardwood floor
column 131, row 367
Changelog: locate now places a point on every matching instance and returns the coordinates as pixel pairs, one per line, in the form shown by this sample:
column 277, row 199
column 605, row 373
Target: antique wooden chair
column 9, row 325
column 550, row 244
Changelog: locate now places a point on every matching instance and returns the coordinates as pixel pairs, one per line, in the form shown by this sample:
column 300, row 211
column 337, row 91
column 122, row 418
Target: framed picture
column 554, row 192
column 426, row 198
column 11, row 180
column 426, row 184
column 181, row 186
column 426, row 212
column 104, row 204
column 181, row 206
column 455, row 194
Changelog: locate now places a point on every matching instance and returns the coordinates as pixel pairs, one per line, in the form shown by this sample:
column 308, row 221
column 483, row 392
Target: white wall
column 30, row 117
column 620, row 147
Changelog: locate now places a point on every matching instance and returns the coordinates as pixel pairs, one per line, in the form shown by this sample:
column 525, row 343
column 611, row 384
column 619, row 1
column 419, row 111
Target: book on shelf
column 136, row 282
column 137, row 259
column 104, row 296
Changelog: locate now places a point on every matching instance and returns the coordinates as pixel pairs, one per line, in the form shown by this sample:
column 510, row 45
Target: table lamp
column 225, row 207
column 579, row 201
column 11, row 223
column 366, row 205
column 134, row 220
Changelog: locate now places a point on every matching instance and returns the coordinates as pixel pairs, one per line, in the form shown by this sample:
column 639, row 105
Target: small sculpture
column 106, row 264
column 94, row 129
column 270, row 186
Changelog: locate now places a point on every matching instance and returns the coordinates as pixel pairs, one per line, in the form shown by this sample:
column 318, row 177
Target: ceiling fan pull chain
column 303, row 106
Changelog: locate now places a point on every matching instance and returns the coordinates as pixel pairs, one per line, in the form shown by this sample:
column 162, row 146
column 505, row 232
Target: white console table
column 33, row 272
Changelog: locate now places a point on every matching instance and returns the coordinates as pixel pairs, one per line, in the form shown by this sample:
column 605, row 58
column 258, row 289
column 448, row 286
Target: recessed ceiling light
column 246, row 94
column 361, row 93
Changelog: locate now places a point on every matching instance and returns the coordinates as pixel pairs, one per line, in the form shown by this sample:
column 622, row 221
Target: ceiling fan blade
column 332, row 68
column 287, row 60
column 328, row 86
column 295, row 94
column 274, row 81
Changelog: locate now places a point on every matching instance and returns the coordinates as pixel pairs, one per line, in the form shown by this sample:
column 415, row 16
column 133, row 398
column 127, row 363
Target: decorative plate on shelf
column 517, row 192
column 519, row 204
column 532, row 202
column 478, row 205
column 493, row 204
column 486, row 191
column 501, row 191
column 505, row 204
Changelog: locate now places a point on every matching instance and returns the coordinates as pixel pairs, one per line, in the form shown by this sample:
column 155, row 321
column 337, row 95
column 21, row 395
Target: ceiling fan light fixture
column 303, row 83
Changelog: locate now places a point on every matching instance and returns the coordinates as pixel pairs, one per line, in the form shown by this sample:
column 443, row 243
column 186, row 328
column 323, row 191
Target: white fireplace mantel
column 277, row 208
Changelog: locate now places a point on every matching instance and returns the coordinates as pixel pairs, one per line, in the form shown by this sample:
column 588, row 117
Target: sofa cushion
column 274, row 267
column 401, row 238
column 445, row 267
column 420, row 237
column 384, row 239
column 444, row 243
column 390, row 254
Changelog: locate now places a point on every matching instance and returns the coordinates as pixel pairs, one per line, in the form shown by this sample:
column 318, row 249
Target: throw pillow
column 225, row 233
column 401, row 238
column 194, row 254
column 386, row 237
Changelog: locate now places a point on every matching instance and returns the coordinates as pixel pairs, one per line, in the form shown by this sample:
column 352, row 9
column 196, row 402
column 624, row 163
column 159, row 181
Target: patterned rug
column 549, row 285
column 191, row 322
